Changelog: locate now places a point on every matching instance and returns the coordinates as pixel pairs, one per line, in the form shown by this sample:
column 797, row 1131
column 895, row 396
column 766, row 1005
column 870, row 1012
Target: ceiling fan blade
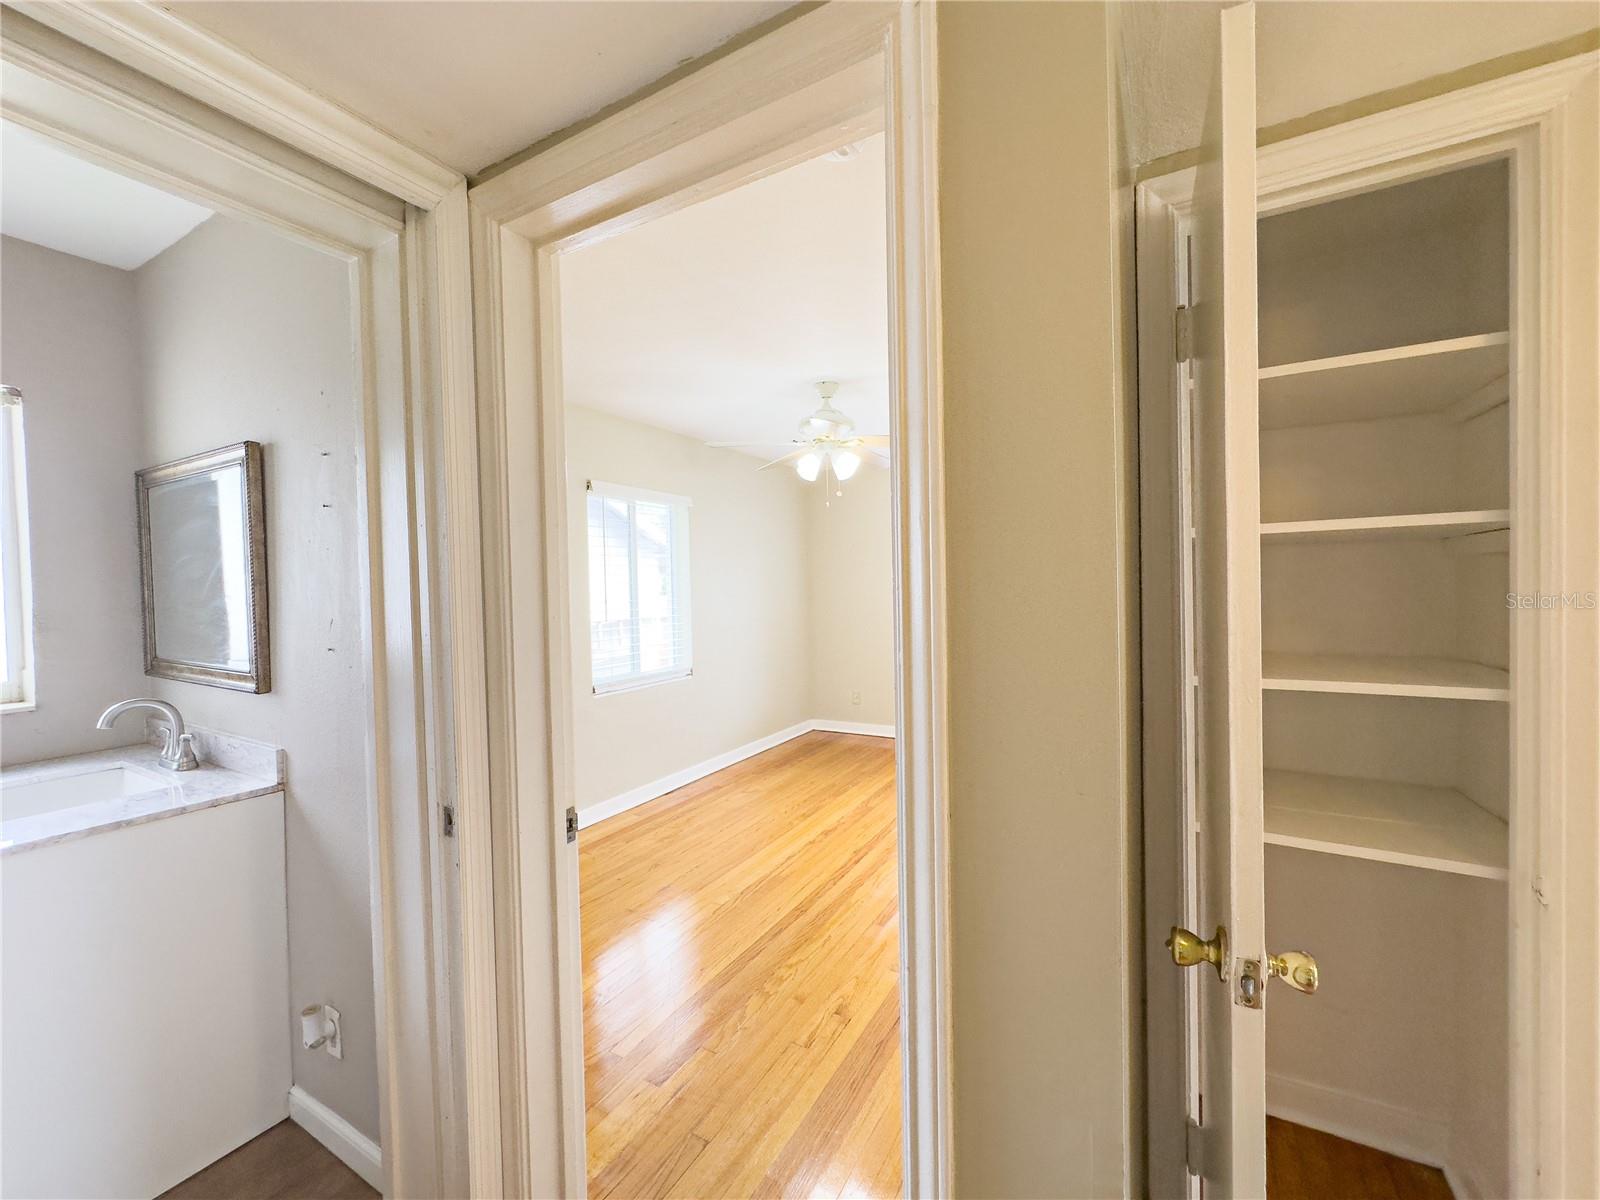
column 875, row 440
column 787, row 457
column 881, row 455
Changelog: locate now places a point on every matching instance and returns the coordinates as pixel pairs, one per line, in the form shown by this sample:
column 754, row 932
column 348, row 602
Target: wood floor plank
column 284, row 1163
column 741, row 981
column 1307, row 1164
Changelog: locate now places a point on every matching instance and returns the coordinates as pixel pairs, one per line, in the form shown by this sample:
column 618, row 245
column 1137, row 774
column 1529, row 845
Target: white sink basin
column 73, row 790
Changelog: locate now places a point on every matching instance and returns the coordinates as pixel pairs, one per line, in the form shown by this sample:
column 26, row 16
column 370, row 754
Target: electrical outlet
column 335, row 1044
column 319, row 1029
column 855, row 698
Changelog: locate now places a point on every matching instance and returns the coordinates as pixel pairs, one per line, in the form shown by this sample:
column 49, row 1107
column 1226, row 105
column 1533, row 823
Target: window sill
column 18, row 706
column 635, row 685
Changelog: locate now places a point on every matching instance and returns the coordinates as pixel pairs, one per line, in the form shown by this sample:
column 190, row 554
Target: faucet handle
column 182, row 753
column 177, row 749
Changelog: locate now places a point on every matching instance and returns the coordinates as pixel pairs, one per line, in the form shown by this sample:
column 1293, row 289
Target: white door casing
column 832, row 75
column 1544, row 121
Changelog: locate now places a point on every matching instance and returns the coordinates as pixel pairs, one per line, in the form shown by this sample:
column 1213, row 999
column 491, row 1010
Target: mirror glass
column 204, row 569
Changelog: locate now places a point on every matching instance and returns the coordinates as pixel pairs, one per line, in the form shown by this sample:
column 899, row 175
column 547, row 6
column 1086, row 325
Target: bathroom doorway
column 204, row 359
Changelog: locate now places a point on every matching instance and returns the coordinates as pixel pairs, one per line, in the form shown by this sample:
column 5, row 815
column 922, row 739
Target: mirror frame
column 248, row 455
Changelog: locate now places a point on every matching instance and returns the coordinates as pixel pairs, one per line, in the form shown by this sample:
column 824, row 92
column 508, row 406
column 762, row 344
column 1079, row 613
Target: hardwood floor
column 741, row 981
column 1306, row 1164
column 284, row 1163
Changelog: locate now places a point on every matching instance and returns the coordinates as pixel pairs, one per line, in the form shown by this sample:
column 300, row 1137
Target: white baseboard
column 671, row 783
column 347, row 1143
column 1460, row 1187
column 1465, row 1178
column 853, row 727
column 657, row 788
column 1388, row 1127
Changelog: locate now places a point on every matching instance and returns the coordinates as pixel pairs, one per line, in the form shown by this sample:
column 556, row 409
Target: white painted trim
column 1167, row 647
column 827, row 77
column 771, row 70
column 343, row 1140
column 861, row 727
column 130, row 123
column 656, row 788
column 468, row 956
column 911, row 132
column 1387, row 1127
column 1300, row 170
column 1525, row 118
column 153, row 40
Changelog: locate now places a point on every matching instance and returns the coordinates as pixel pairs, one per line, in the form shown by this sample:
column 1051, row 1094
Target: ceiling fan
column 827, row 443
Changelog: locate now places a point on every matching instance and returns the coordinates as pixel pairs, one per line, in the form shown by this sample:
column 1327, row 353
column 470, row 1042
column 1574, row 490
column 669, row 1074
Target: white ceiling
column 53, row 199
column 474, row 81
column 716, row 321
column 1311, row 56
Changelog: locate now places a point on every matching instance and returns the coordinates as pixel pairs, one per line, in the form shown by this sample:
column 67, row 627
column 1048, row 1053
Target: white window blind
column 638, row 587
column 16, row 600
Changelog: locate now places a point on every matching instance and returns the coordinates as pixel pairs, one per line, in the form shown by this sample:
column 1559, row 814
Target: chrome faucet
column 177, row 751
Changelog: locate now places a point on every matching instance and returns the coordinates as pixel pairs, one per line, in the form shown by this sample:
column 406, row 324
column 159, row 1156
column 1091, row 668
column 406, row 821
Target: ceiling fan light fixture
column 845, row 463
column 808, row 466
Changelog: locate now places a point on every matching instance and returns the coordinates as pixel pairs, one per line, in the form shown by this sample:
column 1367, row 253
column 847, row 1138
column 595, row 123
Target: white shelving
column 1407, row 527
column 1430, row 827
column 1375, row 675
column 1468, row 374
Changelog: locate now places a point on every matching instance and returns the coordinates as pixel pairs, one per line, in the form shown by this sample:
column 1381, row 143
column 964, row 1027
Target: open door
column 1227, row 853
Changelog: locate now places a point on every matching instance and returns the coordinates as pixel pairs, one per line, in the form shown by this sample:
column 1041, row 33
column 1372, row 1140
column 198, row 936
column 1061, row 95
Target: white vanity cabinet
column 146, row 998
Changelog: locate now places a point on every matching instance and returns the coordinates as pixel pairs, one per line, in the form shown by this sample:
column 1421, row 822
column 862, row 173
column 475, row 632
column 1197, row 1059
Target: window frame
column 678, row 507
column 18, row 682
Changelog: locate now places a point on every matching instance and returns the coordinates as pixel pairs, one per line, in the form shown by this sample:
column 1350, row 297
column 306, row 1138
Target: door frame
column 1554, row 888
column 142, row 92
column 829, row 76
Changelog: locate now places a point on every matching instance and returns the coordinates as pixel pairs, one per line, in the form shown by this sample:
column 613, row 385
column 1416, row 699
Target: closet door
column 1226, row 488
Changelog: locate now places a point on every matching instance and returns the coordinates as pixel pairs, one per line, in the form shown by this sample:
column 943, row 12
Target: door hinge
column 447, row 821
column 572, row 825
column 1183, row 333
column 1194, row 1148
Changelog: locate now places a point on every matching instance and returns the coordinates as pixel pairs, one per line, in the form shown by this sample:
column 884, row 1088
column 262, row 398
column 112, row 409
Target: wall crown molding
column 213, row 71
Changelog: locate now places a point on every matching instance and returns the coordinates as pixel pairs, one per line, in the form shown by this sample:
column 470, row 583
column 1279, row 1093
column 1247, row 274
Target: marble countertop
column 231, row 768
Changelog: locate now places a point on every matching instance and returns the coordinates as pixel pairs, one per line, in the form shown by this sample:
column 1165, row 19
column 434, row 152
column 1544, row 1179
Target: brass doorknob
column 1190, row 949
column 1296, row 968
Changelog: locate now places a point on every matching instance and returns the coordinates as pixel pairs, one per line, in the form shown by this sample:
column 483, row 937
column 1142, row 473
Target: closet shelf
column 1375, row 675
column 1409, row 527
column 1468, row 374
column 1431, row 827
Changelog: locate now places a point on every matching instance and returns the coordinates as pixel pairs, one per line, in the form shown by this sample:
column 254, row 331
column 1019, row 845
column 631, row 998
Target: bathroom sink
column 71, row 790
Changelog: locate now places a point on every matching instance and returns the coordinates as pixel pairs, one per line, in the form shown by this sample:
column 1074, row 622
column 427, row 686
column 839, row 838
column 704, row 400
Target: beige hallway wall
column 850, row 556
column 1037, row 464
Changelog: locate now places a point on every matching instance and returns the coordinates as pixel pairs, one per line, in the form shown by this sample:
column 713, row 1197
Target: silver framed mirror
column 203, row 569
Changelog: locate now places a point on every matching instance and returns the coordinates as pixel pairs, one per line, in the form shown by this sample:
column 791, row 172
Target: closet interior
column 1386, row 337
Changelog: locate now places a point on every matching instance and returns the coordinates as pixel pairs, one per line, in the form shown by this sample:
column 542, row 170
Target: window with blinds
column 638, row 587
